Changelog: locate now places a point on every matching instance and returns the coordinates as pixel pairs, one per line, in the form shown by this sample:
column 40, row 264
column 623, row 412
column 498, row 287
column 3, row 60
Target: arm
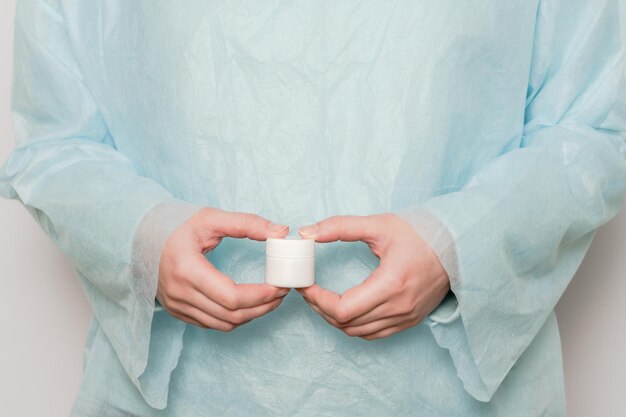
column 87, row 196
column 512, row 238
column 129, row 238
column 506, row 245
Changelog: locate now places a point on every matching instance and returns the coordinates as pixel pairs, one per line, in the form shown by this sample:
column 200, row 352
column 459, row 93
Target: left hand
column 406, row 286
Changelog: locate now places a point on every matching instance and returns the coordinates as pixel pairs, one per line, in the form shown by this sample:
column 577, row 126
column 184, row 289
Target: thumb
column 345, row 228
column 244, row 225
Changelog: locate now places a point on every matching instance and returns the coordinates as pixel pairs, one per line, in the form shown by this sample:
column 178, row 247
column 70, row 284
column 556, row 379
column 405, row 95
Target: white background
column 44, row 315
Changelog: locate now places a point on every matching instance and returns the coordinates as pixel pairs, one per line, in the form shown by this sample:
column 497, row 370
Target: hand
column 193, row 290
column 408, row 284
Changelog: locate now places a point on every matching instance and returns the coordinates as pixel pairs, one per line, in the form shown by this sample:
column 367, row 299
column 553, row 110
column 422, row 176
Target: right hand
column 193, row 290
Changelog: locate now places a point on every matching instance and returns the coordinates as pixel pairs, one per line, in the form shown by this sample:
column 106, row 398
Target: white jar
column 290, row 262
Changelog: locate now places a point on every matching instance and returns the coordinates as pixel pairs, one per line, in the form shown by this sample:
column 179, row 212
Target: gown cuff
column 445, row 321
column 154, row 229
column 152, row 378
column 437, row 236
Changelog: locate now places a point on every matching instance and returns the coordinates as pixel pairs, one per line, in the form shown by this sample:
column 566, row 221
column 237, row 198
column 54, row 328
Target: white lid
column 290, row 247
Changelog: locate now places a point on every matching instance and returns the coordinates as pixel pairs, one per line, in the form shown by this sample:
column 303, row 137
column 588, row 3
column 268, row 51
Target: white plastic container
column 290, row 262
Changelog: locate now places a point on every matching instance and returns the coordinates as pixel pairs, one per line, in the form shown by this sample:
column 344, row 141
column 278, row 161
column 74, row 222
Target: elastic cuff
column 447, row 311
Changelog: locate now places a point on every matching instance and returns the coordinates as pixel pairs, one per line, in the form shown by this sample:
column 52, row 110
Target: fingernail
column 310, row 230
column 275, row 227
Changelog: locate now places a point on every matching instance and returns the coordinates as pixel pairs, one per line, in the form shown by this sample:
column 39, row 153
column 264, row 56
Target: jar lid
column 290, row 247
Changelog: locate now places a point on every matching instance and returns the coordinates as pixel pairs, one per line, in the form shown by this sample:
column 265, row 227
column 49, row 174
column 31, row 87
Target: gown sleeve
column 514, row 235
column 89, row 198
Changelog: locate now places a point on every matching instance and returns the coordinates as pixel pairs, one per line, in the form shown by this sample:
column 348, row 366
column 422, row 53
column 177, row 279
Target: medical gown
column 495, row 128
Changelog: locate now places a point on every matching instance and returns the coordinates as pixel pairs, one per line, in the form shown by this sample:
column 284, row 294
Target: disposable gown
column 495, row 128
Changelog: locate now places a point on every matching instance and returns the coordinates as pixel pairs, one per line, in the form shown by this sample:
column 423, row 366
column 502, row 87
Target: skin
column 193, row 290
column 407, row 285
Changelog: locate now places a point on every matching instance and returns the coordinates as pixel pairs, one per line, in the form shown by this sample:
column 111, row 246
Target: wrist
column 439, row 273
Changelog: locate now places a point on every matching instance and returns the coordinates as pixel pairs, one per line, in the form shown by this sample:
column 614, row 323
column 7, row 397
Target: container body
column 290, row 262
column 290, row 272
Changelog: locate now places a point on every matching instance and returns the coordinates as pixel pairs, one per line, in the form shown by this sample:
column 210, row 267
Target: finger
column 242, row 225
column 345, row 228
column 365, row 297
column 389, row 331
column 326, row 300
column 384, row 283
column 357, row 301
column 250, row 295
column 271, row 307
column 382, row 311
column 240, row 316
column 194, row 316
column 329, row 302
column 208, row 320
column 326, row 317
column 215, row 285
column 376, row 326
column 187, row 319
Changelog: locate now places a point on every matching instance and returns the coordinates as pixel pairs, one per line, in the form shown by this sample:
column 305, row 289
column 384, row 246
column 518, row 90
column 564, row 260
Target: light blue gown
column 496, row 128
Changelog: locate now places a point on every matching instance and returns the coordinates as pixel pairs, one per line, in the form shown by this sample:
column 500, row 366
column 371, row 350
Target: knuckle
column 228, row 327
column 413, row 305
column 166, row 289
column 398, row 289
column 268, row 298
column 176, row 315
column 248, row 220
column 170, row 309
column 181, row 317
column 406, row 308
column 208, row 212
column 334, row 219
column 206, row 217
column 333, row 322
column 236, row 317
column 341, row 314
column 204, row 323
column 177, row 271
column 177, row 292
column 246, row 322
column 169, row 303
column 230, row 301
column 200, row 324
column 388, row 217
column 351, row 331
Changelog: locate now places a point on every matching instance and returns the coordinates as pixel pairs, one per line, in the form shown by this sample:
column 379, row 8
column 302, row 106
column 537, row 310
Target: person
column 453, row 161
